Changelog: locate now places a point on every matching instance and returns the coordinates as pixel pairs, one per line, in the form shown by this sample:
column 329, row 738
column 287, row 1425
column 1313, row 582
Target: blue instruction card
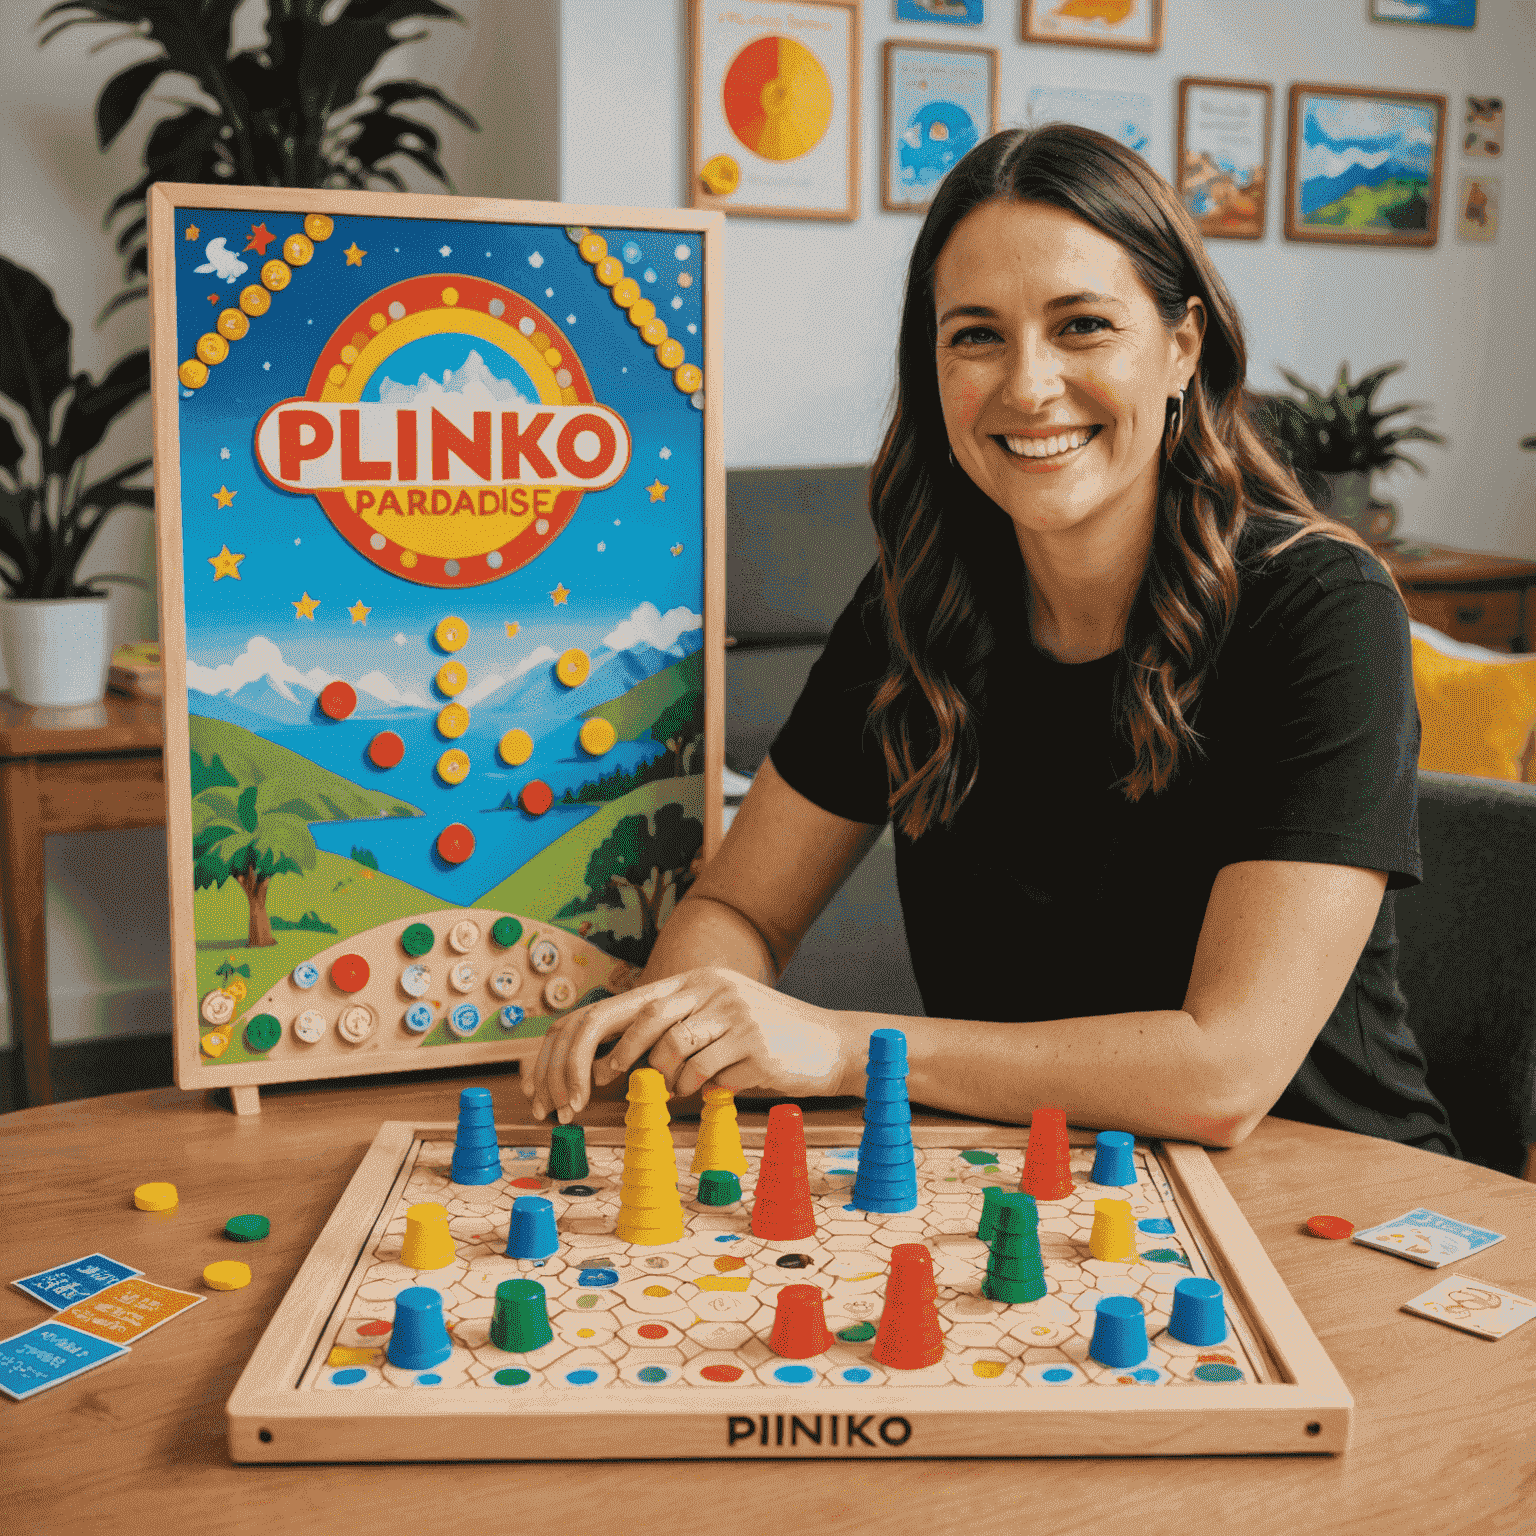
column 1428, row 1238
column 79, row 1280
column 48, row 1354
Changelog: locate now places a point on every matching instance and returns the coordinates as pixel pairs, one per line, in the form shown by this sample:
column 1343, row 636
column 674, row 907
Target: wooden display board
column 440, row 504
column 663, row 1351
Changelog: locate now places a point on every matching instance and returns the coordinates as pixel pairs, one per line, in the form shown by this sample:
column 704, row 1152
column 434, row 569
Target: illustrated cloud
column 222, row 262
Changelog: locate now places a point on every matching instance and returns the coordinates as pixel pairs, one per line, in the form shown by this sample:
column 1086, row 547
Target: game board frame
column 1306, row 1407
column 192, row 1071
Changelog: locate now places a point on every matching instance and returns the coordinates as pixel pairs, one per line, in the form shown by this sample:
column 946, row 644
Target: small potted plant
column 53, row 624
column 1336, row 442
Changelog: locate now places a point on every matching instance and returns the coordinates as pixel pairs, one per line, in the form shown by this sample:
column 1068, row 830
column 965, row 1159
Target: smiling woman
column 1141, row 719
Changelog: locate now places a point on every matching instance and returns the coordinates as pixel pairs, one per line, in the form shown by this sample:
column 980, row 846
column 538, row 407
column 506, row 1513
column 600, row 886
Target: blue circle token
column 796, row 1374
column 856, row 1373
column 464, row 1020
column 581, row 1378
column 418, row 1018
column 349, row 1377
column 511, row 1016
column 429, row 1379
column 1057, row 1373
column 597, row 1278
column 1156, row 1224
column 305, row 975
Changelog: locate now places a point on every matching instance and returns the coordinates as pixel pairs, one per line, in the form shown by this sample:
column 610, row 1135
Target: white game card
column 1474, row 1306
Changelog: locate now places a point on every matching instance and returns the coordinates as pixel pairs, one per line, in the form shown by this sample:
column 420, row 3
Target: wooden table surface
column 1445, row 1423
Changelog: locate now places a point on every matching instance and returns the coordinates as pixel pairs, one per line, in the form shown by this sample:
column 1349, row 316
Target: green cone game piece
column 521, row 1319
column 417, row 940
column 506, row 931
column 568, row 1152
column 719, row 1186
column 247, row 1229
column 1015, row 1269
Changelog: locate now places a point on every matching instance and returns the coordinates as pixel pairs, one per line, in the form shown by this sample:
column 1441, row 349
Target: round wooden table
column 1445, row 1423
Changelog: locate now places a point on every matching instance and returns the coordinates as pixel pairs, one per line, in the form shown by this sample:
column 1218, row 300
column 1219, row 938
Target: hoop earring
column 1175, row 421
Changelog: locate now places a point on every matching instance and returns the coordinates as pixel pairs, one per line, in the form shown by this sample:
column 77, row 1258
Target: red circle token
column 455, row 843
column 350, row 972
column 385, row 750
column 1330, row 1226
column 338, row 699
column 537, row 797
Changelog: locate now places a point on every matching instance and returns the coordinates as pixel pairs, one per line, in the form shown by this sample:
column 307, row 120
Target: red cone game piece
column 781, row 1210
column 1048, row 1159
column 799, row 1323
column 910, row 1335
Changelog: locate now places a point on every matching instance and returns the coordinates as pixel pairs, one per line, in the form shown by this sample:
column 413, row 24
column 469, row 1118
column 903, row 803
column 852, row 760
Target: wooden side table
column 98, row 768
column 1487, row 599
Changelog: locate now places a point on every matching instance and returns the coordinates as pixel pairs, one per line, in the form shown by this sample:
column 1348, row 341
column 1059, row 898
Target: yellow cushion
column 1479, row 717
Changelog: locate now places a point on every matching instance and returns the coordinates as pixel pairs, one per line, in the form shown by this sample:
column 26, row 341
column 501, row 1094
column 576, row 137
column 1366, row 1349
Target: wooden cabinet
column 1489, row 600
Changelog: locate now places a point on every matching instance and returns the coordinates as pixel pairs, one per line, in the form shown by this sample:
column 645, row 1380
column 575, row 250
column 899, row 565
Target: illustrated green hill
column 634, row 712
column 1388, row 206
column 326, row 795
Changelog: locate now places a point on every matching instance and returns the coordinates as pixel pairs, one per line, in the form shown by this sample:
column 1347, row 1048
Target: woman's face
column 1055, row 368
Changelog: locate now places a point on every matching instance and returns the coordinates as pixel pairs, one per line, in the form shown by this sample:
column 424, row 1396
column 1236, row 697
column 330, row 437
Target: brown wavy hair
column 942, row 541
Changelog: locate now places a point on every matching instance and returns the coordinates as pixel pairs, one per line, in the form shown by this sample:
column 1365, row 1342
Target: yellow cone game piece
column 155, row 1197
column 650, row 1210
column 719, row 1143
column 227, row 1275
column 428, row 1243
column 1113, row 1238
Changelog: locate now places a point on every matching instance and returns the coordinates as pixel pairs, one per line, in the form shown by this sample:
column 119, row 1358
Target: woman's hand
column 710, row 1027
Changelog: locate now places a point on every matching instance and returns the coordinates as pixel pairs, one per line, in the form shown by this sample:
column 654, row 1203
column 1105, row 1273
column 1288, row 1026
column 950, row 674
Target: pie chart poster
column 775, row 108
column 498, row 424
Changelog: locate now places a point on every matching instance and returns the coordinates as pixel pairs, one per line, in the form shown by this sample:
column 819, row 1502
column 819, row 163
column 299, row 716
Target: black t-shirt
column 1051, row 896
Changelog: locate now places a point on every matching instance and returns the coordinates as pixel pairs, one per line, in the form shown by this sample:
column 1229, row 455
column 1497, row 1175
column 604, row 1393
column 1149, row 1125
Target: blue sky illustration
column 1350, row 141
column 1430, row 13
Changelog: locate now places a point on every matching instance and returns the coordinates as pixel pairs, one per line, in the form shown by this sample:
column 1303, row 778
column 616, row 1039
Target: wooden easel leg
column 246, row 1098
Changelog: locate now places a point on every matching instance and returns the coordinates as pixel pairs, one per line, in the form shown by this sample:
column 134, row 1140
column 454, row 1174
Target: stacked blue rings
column 887, row 1176
column 476, row 1157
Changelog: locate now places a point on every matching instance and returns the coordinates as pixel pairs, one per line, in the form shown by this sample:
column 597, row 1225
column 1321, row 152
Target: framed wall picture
column 1136, row 24
column 1426, row 13
column 774, row 108
column 1477, row 208
column 1362, row 166
column 440, row 507
column 958, row 13
column 940, row 102
column 1482, row 128
column 1222, row 155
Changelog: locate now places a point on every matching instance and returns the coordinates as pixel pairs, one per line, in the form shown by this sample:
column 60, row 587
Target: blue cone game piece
column 886, row 1181
column 531, row 1233
column 1114, row 1159
column 1119, row 1332
column 1199, row 1318
column 476, row 1158
column 419, row 1339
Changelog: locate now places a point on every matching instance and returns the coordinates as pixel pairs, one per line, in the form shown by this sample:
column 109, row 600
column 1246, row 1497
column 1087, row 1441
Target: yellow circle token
column 670, row 353
column 318, row 226
column 453, row 766
column 227, row 1275
column 592, row 247
column 721, row 175
column 688, row 378
column 451, row 634
column 573, row 667
column 232, row 324
column 626, row 292
column 653, row 332
column 297, row 249
column 452, row 721
column 255, row 300
column 609, row 270
column 155, row 1197
column 235, row 987
column 641, row 311
column 212, row 348
column 276, row 274
column 193, row 373
column 597, row 736
column 516, row 748
column 452, row 678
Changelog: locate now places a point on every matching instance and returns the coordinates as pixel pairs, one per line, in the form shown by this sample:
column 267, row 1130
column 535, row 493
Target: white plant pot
column 57, row 649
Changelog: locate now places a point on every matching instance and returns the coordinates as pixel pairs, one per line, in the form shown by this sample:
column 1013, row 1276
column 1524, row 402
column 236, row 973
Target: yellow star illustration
column 560, row 594
column 225, row 564
column 306, row 606
column 359, row 612
column 677, row 549
column 353, row 255
column 658, row 490
column 193, row 231
column 512, row 628
column 224, row 495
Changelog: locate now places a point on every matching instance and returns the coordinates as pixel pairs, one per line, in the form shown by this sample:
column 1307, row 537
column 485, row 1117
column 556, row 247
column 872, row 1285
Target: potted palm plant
column 294, row 111
column 53, row 625
column 1336, row 442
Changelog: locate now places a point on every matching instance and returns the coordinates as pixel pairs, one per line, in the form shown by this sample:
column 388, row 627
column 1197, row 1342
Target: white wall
column 811, row 308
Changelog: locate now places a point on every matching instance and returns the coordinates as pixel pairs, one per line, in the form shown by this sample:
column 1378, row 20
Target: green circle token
column 262, row 1033
column 247, row 1229
column 506, row 931
column 417, row 940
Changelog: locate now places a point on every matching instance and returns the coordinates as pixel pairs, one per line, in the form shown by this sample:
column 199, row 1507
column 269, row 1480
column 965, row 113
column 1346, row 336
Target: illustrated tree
column 649, row 863
column 678, row 725
column 249, row 835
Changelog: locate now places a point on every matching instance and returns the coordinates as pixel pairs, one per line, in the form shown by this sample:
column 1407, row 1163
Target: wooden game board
column 662, row 1352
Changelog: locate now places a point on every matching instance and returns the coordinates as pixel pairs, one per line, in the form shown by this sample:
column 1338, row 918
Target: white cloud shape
column 482, row 689
column 384, row 689
column 222, row 261
column 1319, row 160
column 260, row 658
column 657, row 629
